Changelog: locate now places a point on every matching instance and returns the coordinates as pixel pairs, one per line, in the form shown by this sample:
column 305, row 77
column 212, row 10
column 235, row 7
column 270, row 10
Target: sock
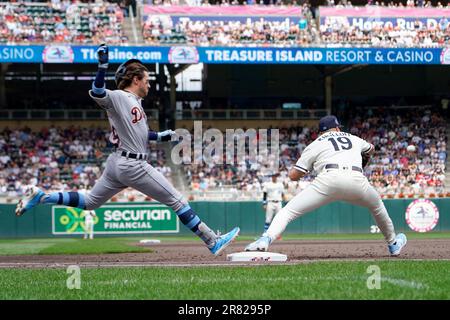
column 190, row 219
column 266, row 226
column 99, row 81
column 70, row 199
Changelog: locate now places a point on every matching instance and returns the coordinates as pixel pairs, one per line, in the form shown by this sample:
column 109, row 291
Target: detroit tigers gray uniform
column 341, row 150
column 129, row 131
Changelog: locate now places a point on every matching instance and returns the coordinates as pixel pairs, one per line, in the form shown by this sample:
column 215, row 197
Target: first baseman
column 337, row 158
column 127, row 166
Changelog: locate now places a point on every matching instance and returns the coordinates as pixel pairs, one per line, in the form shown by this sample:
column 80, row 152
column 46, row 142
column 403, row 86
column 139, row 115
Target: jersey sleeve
column 366, row 147
column 105, row 102
column 306, row 161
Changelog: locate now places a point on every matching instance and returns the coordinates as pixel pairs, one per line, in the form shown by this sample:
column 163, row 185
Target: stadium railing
column 67, row 114
column 249, row 114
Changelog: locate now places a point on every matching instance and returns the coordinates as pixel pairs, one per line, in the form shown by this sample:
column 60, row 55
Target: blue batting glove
column 102, row 54
column 166, row 135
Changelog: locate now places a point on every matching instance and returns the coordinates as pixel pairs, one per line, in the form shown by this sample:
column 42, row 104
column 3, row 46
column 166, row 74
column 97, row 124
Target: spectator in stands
column 61, row 22
column 393, row 171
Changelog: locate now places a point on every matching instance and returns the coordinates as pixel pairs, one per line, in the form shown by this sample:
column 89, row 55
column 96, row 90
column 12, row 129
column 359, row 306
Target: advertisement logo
column 422, row 215
column 116, row 219
column 72, row 219
column 58, row 54
column 445, row 56
column 183, row 55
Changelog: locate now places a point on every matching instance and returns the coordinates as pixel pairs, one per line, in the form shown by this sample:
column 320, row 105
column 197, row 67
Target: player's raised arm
column 98, row 91
column 98, row 86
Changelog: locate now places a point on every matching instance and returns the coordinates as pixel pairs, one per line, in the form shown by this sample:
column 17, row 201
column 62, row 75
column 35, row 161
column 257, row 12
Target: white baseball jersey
column 333, row 147
column 127, row 119
column 338, row 184
column 89, row 217
column 274, row 190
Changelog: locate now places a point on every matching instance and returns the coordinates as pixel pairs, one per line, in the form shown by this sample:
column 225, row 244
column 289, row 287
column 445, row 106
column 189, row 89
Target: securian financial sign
column 116, row 219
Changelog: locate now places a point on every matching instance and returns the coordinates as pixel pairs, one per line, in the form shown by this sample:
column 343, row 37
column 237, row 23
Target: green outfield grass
column 69, row 246
column 320, row 280
column 128, row 244
column 400, row 279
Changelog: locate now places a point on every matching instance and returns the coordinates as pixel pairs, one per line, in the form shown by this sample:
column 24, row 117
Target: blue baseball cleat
column 396, row 247
column 262, row 244
column 224, row 241
column 32, row 198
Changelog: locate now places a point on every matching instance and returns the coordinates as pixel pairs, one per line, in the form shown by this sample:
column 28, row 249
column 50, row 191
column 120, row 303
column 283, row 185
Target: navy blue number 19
column 346, row 143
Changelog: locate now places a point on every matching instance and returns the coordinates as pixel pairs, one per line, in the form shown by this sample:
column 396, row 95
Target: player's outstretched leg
column 152, row 183
column 262, row 244
column 71, row 199
column 304, row 202
column 216, row 244
column 373, row 202
column 397, row 245
column 33, row 196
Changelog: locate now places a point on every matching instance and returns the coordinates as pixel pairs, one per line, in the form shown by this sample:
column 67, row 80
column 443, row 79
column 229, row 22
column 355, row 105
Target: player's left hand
column 102, row 56
column 166, row 135
column 365, row 160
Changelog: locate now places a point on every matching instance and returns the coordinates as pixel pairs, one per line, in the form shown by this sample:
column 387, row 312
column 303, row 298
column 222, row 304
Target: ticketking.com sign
column 116, row 219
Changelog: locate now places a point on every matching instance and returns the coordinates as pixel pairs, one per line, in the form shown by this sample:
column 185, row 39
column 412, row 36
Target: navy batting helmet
column 122, row 70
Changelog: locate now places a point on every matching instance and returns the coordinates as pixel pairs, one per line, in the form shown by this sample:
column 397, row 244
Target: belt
column 336, row 166
column 138, row 156
column 274, row 200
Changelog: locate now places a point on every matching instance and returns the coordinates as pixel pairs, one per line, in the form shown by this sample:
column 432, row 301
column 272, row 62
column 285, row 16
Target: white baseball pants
column 89, row 229
column 333, row 185
column 271, row 209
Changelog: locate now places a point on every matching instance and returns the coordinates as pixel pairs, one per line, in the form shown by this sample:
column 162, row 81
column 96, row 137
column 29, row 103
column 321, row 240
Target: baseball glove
column 365, row 160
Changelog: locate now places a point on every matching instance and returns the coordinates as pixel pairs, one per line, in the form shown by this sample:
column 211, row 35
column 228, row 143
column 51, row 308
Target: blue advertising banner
column 225, row 55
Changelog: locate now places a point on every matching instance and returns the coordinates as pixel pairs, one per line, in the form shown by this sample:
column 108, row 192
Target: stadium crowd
column 73, row 158
column 94, row 22
column 333, row 31
column 392, row 170
column 161, row 29
column 339, row 31
column 61, row 21
column 59, row 159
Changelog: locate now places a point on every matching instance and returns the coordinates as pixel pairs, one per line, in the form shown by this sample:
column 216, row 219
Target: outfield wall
column 337, row 217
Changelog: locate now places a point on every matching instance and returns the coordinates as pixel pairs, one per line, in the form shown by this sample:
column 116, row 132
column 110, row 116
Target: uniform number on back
column 345, row 143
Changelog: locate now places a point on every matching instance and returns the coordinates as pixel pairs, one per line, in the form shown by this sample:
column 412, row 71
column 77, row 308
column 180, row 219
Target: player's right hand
column 166, row 135
column 102, row 56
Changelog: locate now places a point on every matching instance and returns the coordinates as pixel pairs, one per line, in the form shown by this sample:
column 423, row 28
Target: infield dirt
column 188, row 253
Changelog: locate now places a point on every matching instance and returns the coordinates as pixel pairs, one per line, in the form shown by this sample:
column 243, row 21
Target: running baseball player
column 337, row 158
column 127, row 166
column 89, row 221
column 272, row 199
